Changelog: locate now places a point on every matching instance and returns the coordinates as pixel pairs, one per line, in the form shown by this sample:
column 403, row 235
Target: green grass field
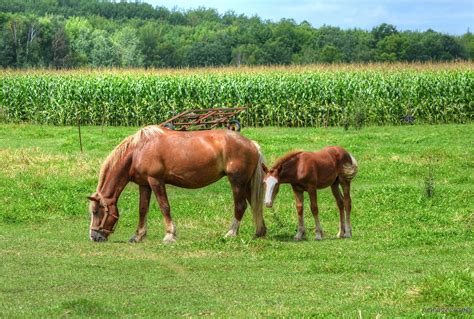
column 409, row 252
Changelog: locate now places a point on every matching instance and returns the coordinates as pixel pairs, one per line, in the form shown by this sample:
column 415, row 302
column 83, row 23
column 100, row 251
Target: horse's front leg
column 140, row 233
column 314, row 209
column 299, row 197
column 162, row 198
column 240, row 204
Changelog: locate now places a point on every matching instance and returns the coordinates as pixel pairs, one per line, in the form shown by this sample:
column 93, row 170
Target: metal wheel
column 234, row 125
column 169, row 126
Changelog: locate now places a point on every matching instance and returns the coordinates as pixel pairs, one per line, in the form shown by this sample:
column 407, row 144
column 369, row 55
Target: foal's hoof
column 299, row 237
column 169, row 239
column 348, row 235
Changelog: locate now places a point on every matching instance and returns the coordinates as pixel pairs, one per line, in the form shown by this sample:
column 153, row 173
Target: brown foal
column 154, row 157
column 310, row 171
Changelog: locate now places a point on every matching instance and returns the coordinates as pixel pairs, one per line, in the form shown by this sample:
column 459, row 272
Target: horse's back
column 191, row 159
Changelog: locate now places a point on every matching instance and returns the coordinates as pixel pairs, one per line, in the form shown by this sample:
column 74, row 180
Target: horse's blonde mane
column 119, row 151
column 280, row 161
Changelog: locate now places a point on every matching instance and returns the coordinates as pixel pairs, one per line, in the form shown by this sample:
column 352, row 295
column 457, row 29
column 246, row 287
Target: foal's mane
column 119, row 151
column 288, row 156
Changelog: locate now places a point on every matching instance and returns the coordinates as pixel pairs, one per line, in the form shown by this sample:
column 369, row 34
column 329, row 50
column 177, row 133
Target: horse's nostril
column 97, row 236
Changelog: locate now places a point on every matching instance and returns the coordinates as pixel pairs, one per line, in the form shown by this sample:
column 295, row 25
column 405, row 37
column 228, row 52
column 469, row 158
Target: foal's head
column 272, row 185
column 104, row 217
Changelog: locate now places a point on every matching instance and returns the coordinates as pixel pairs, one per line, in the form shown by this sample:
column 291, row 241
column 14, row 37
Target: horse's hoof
column 347, row 235
column 340, row 235
column 230, row 233
column 261, row 233
column 169, row 239
column 318, row 237
column 134, row 239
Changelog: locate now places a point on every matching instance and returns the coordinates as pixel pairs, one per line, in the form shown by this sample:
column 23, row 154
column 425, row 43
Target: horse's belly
column 194, row 171
column 192, row 179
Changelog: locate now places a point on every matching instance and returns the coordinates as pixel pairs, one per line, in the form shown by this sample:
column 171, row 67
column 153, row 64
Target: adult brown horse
column 154, row 157
column 310, row 171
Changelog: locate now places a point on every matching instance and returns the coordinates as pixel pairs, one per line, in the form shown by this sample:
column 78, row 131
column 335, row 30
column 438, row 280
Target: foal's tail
column 350, row 169
column 256, row 199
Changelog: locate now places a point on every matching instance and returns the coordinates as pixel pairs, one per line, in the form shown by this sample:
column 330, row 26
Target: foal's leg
column 340, row 205
column 299, row 197
column 240, row 204
column 145, row 193
column 160, row 192
column 314, row 209
column 346, row 187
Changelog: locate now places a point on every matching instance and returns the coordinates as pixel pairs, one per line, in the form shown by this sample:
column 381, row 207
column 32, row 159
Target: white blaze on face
column 270, row 183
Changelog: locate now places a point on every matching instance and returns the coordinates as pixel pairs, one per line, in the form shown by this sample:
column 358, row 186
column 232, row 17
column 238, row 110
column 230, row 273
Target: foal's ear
column 93, row 198
column 265, row 168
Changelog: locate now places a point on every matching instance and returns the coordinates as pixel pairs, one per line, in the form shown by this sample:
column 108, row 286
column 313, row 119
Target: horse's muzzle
column 97, row 236
column 269, row 204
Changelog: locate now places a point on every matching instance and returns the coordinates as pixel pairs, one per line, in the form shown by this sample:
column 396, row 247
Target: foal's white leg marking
column 270, row 186
column 301, row 233
column 170, row 236
column 234, row 229
column 319, row 231
column 348, row 231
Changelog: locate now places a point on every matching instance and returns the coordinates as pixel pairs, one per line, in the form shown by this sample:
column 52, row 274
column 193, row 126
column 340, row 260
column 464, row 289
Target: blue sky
column 447, row 16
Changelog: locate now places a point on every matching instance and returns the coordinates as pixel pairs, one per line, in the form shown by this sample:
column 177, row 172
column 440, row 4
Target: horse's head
column 272, row 186
column 104, row 216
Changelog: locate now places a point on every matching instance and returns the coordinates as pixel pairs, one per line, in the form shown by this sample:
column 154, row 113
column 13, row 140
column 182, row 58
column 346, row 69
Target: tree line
column 95, row 33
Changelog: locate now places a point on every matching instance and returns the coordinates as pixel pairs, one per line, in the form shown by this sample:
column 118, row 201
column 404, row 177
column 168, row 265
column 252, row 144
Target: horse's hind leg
column 145, row 193
column 240, row 194
column 299, row 198
column 340, row 205
column 160, row 192
column 314, row 209
column 346, row 187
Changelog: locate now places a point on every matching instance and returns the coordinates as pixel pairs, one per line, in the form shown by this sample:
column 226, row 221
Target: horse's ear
column 93, row 198
column 265, row 168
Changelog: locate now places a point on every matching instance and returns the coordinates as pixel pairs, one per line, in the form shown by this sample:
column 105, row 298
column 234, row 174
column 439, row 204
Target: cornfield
column 309, row 96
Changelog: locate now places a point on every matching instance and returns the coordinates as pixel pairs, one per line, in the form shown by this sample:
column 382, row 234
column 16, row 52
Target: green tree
column 330, row 54
column 466, row 42
column 126, row 44
column 102, row 52
column 207, row 54
column 79, row 33
column 390, row 48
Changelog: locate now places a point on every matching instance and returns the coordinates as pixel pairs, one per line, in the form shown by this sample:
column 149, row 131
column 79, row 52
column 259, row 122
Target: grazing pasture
column 411, row 250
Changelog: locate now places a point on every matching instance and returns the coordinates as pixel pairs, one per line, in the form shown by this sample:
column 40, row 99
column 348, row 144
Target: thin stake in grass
column 429, row 183
column 79, row 130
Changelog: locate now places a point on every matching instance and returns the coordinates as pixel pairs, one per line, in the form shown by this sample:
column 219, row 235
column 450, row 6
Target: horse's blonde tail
column 350, row 169
column 256, row 198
